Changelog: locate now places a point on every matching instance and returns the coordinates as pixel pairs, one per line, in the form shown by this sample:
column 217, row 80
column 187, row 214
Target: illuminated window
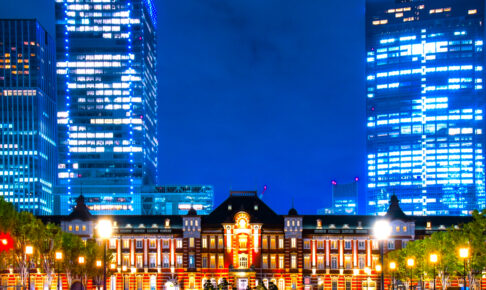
column 220, row 261
column 307, row 264
column 264, row 243
column 125, row 243
column 293, row 242
column 70, row 228
column 212, row 261
column 243, row 262
column 273, row 261
column 293, row 261
column 77, row 228
column 152, row 244
column 280, row 243
column 242, row 242
column 191, row 242
column 334, row 245
column 212, row 243
column 204, row 242
column 264, row 261
column 273, row 242
column 281, row 262
column 320, row 244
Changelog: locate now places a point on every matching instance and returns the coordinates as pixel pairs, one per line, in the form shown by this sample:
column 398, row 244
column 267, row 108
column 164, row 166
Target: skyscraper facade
column 425, row 105
column 28, row 158
column 106, row 72
column 344, row 199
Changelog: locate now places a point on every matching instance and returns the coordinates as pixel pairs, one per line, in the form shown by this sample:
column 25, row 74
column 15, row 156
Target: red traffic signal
column 6, row 242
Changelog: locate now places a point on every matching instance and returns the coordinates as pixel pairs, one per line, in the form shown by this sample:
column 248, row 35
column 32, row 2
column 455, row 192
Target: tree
column 272, row 286
column 73, row 248
column 208, row 285
column 472, row 235
column 224, row 284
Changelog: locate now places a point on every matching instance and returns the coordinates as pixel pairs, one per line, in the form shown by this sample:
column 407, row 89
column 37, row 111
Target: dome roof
column 293, row 211
column 192, row 211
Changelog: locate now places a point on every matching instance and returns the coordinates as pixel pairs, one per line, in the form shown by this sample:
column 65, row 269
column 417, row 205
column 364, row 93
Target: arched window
column 243, row 261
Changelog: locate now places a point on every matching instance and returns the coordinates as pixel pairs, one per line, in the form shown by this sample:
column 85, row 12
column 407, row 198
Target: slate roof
column 243, row 201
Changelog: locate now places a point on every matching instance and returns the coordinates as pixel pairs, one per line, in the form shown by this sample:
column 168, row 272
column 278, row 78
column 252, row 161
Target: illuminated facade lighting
column 106, row 68
column 425, row 106
column 28, row 156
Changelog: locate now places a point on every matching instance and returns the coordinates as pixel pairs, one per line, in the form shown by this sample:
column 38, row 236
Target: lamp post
column 410, row 264
column 105, row 230
column 29, row 251
column 382, row 231
column 81, row 261
column 433, row 258
column 393, row 267
column 58, row 259
column 464, row 254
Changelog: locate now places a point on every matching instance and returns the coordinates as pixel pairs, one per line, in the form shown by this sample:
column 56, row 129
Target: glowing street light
column 410, row 264
column 105, row 231
column 433, row 258
column 58, row 259
column 382, row 231
column 393, row 267
column 29, row 250
column 464, row 254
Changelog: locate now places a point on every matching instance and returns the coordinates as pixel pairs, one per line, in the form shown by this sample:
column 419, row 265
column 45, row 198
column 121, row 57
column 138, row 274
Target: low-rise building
column 245, row 242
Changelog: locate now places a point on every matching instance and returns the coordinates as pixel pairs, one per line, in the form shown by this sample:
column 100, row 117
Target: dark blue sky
column 256, row 92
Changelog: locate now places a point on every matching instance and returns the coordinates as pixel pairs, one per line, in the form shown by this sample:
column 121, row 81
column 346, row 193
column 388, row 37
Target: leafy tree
column 73, row 248
column 224, row 284
column 272, row 286
column 208, row 285
column 473, row 236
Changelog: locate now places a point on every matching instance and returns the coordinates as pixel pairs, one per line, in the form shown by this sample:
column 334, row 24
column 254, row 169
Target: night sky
column 255, row 93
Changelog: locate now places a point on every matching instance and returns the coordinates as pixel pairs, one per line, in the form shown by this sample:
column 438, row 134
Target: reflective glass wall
column 106, row 72
column 28, row 158
column 425, row 105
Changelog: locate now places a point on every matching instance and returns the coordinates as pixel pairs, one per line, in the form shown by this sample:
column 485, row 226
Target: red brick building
column 244, row 241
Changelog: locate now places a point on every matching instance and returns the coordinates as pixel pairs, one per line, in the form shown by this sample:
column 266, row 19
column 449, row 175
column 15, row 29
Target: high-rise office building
column 28, row 158
column 107, row 123
column 344, row 199
column 177, row 199
column 425, row 105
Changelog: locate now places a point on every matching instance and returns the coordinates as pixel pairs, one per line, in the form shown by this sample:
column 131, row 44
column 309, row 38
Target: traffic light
column 6, row 242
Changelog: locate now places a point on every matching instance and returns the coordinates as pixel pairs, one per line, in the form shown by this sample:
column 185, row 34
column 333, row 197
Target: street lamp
column 464, row 254
column 105, row 230
column 29, row 250
column 393, row 267
column 434, row 259
column 410, row 264
column 58, row 259
column 382, row 231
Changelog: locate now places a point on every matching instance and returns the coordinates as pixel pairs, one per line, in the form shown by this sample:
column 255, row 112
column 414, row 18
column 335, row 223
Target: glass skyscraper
column 28, row 157
column 425, row 105
column 107, row 102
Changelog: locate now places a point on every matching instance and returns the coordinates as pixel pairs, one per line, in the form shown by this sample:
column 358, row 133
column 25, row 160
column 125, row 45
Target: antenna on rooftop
column 264, row 189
